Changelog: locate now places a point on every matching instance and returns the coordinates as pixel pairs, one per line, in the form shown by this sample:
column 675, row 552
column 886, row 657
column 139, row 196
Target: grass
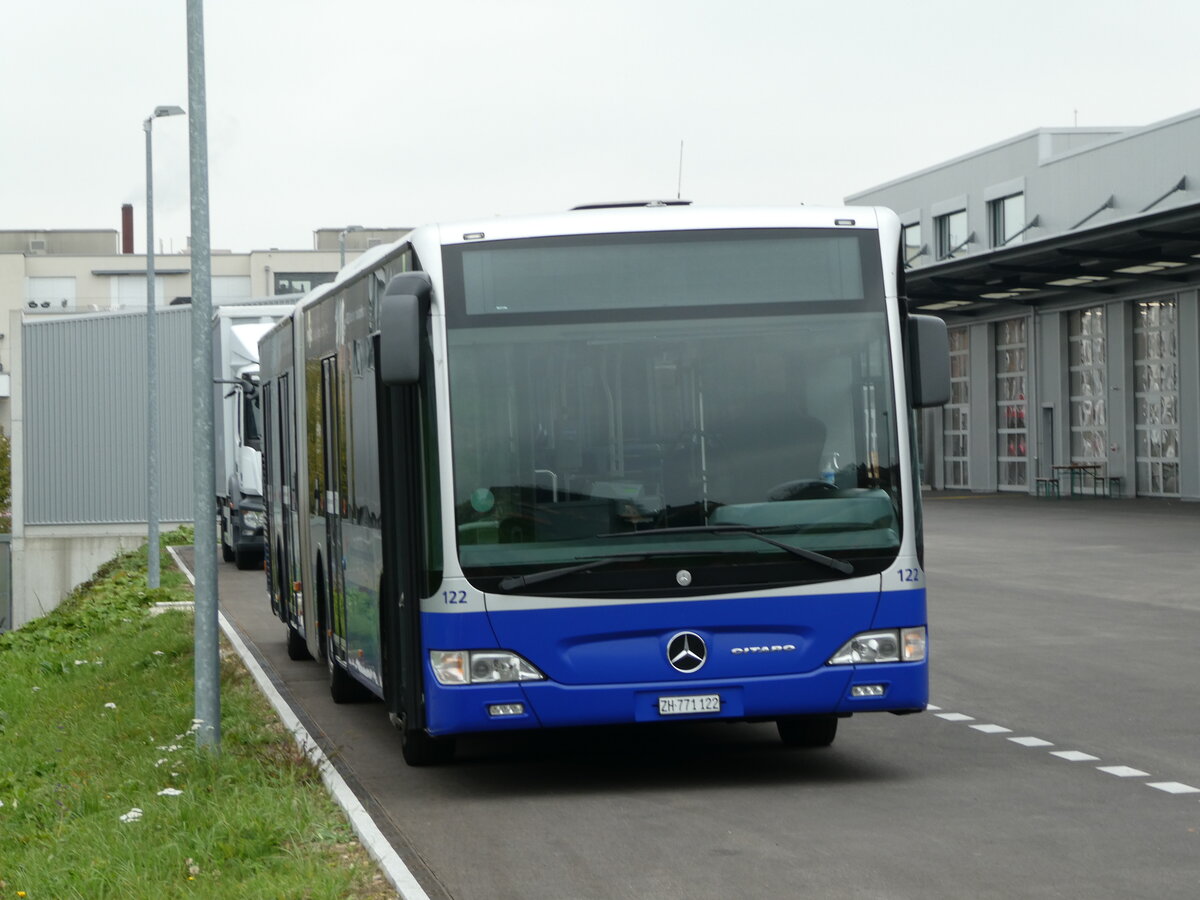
column 96, row 703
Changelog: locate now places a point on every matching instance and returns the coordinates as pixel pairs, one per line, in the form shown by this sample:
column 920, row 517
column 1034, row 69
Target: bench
column 1047, row 487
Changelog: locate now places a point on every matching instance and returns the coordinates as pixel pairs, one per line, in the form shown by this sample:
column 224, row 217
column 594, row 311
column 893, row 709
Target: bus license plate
column 699, row 703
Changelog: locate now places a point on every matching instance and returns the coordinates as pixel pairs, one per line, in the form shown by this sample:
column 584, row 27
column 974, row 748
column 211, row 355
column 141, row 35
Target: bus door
column 270, row 480
column 286, row 551
column 332, row 423
column 400, row 483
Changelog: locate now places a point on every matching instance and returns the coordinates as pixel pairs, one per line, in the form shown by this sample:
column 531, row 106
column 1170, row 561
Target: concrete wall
column 96, row 278
column 47, row 564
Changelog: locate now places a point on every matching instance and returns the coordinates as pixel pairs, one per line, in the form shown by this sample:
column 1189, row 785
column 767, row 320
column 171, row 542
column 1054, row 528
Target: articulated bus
column 639, row 463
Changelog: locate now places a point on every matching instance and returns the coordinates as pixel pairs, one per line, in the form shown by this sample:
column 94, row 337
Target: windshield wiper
column 838, row 565
column 515, row 581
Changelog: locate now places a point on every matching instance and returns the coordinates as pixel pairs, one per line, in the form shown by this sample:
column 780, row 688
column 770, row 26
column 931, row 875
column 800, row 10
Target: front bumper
column 547, row 704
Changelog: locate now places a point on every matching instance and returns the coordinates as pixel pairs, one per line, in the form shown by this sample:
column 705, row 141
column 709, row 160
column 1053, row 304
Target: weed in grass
column 103, row 791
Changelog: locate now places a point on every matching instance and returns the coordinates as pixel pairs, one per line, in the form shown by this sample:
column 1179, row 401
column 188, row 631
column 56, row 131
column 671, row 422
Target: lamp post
column 342, row 244
column 152, row 573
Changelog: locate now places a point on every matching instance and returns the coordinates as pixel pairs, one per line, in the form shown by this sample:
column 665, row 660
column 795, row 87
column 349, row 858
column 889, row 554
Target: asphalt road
column 1065, row 627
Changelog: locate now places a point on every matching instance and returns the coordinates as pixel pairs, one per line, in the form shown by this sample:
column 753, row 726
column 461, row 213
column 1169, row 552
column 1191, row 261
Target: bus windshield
column 675, row 439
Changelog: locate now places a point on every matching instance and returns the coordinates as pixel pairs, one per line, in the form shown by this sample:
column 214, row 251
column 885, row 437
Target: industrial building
column 77, row 271
column 1066, row 262
column 73, row 397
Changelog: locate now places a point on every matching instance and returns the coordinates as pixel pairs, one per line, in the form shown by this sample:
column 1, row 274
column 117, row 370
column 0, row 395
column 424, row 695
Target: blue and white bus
column 620, row 464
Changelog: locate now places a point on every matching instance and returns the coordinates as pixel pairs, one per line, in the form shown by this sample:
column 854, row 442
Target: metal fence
column 84, row 396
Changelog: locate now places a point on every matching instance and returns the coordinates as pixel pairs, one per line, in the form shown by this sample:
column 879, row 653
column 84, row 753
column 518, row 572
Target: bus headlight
column 481, row 667
column 899, row 645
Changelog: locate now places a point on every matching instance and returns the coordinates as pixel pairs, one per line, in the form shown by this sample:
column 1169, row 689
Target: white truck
column 237, row 426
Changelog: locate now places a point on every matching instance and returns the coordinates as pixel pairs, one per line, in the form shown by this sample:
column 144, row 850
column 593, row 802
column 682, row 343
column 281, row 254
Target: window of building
column 913, row 249
column 1012, row 428
column 950, row 232
column 955, row 428
column 300, row 282
column 129, row 291
column 1006, row 218
column 1156, row 397
column 48, row 292
column 230, row 289
column 1087, row 360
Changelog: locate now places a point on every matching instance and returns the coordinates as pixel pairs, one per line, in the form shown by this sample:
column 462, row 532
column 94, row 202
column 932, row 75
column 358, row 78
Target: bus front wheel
column 807, row 731
column 420, row 748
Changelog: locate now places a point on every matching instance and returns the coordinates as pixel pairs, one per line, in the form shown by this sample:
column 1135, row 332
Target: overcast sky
column 394, row 112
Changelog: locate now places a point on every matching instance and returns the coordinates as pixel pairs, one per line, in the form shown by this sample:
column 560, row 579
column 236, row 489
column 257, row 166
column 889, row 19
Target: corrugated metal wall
column 84, row 399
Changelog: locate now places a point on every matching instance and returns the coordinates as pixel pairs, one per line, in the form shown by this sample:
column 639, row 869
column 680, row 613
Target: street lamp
column 152, row 573
column 342, row 244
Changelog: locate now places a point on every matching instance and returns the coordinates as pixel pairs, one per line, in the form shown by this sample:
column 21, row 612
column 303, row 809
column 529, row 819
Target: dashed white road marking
column 932, row 708
column 1124, row 771
column 1073, row 755
column 1168, row 787
column 1173, row 787
column 1031, row 742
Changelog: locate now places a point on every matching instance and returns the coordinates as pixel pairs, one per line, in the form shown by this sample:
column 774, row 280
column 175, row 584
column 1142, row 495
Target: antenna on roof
column 679, row 185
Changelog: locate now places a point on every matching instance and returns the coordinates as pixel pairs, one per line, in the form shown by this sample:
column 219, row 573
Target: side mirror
column 400, row 317
column 928, row 361
column 240, row 386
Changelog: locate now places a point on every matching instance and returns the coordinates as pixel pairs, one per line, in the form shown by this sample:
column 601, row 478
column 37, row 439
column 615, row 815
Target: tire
column 226, row 551
column 420, row 748
column 297, row 649
column 247, row 559
column 342, row 686
column 807, row 731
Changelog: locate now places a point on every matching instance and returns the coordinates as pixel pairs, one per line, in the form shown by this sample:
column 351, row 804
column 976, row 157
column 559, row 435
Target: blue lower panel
column 548, row 704
column 906, row 688
column 602, row 644
column 464, row 708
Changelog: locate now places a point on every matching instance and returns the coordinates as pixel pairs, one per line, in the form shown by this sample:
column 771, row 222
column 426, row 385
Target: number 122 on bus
column 614, row 465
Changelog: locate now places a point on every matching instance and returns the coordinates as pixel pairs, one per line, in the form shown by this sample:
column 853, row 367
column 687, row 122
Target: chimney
column 127, row 228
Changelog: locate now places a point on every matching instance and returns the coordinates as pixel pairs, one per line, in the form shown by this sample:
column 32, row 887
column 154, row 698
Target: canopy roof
column 1150, row 252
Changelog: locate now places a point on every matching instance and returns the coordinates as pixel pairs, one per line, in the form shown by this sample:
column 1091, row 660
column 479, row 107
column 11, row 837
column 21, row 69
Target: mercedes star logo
column 686, row 651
